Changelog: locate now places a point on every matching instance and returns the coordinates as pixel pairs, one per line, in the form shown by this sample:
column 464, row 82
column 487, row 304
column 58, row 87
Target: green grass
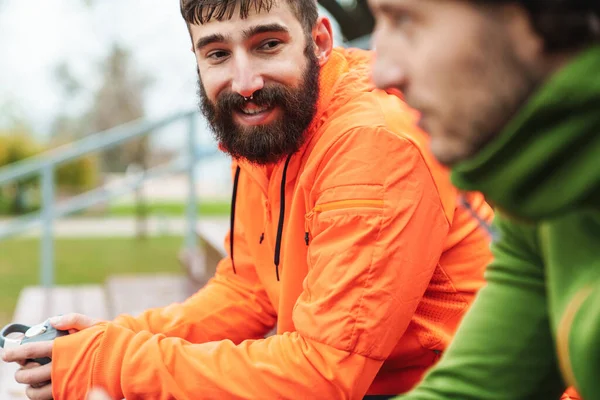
column 214, row 208
column 80, row 261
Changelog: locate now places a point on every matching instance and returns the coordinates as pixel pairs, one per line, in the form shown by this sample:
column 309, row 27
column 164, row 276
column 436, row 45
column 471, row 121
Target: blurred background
column 103, row 80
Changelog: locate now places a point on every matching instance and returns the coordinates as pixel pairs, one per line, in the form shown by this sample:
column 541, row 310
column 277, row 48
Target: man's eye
column 217, row 55
column 270, row 45
column 400, row 20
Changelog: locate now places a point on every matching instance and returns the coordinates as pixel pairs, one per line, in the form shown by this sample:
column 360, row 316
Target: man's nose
column 388, row 74
column 246, row 79
column 388, row 69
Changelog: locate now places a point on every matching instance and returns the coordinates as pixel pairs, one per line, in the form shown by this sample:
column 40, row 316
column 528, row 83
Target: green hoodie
column 535, row 327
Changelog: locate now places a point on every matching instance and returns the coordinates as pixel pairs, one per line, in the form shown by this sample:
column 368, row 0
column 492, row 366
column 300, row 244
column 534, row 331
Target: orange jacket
column 570, row 394
column 377, row 265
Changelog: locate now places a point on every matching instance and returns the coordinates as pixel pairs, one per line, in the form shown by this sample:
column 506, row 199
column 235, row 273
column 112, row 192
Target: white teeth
column 255, row 111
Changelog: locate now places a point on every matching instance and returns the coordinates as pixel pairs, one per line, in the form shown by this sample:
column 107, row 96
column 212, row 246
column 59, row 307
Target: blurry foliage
column 78, row 175
column 17, row 144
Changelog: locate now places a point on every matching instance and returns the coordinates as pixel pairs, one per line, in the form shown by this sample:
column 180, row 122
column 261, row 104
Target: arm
column 503, row 348
column 231, row 306
column 368, row 269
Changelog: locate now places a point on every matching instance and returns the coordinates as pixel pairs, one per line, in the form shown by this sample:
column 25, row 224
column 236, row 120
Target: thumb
column 72, row 322
column 98, row 394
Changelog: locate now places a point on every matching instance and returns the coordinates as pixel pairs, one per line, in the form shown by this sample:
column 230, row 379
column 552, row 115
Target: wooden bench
column 201, row 264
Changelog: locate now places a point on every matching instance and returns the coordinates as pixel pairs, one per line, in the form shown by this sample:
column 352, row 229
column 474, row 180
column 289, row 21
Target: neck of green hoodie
column 547, row 160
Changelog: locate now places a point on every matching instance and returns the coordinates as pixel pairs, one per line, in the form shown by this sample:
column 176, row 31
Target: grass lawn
column 81, row 261
column 206, row 208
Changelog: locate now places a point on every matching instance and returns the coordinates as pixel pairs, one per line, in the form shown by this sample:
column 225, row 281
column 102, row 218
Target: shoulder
column 375, row 137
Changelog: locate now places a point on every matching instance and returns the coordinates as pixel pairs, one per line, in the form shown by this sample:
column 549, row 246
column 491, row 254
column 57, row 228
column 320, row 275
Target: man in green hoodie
column 510, row 94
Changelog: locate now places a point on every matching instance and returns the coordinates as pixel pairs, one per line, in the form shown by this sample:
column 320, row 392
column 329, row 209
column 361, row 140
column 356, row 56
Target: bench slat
column 136, row 293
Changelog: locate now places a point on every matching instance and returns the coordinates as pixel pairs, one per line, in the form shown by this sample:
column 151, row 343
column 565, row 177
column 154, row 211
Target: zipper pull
column 262, row 238
column 307, row 218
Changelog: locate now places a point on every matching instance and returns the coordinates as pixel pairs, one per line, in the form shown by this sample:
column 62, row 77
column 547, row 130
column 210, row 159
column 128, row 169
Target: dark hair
column 202, row 11
column 563, row 24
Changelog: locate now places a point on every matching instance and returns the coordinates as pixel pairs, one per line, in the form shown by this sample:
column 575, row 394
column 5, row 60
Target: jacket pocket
column 337, row 206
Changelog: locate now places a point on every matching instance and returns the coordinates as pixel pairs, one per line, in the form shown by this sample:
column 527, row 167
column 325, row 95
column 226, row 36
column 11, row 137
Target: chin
column 447, row 153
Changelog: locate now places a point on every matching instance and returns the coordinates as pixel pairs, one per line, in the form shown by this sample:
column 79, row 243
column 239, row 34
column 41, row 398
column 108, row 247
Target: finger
column 20, row 362
column 73, row 321
column 98, row 394
column 29, row 351
column 34, row 374
column 43, row 393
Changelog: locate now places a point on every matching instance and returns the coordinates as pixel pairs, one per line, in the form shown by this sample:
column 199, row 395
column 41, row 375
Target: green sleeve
column 504, row 346
column 581, row 365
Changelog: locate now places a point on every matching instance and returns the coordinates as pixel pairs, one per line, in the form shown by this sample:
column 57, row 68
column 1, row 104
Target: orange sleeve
column 368, row 268
column 570, row 394
column 230, row 306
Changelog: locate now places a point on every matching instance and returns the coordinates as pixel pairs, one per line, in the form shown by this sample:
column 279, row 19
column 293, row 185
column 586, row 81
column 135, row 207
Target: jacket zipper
column 337, row 205
column 564, row 329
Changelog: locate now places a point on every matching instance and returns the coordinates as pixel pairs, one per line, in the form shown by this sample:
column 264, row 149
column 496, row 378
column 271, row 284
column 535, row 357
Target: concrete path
column 120, row 227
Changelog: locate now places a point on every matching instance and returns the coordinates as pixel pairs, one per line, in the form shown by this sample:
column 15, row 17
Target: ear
column 322, row 35
column 528, row 44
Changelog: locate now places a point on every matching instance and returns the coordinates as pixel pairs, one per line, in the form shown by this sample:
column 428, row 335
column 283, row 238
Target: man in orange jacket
column 344, row 231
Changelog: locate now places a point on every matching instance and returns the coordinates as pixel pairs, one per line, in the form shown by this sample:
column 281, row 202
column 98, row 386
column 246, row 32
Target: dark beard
column 269, row 143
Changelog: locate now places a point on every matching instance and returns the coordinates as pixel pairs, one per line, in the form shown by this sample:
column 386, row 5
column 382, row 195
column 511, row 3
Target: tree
column 119, row 100
column 18, row 144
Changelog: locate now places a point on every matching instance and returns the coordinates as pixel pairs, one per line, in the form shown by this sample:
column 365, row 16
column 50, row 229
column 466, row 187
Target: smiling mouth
column 253, row 114
column 252, row 109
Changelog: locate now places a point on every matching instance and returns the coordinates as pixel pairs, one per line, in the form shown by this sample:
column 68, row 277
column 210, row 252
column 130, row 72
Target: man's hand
column 73, row 322
column 33, row 374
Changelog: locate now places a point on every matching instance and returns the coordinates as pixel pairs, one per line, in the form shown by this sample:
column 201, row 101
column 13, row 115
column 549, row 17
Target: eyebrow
column 210, row 39
column 247, row 33
column 268, row 28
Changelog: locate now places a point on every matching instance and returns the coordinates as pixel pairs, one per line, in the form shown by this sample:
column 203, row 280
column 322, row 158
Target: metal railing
column 45, row 165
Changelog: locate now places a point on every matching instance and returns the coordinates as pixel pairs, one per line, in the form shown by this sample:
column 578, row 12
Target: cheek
column 286, row 71
column 213, row 82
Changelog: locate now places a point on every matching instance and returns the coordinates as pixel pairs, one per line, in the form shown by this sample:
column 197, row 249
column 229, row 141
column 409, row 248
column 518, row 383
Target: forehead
column 280, row 13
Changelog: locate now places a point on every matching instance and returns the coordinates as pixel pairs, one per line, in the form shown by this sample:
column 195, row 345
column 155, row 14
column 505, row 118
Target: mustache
column 273, row 94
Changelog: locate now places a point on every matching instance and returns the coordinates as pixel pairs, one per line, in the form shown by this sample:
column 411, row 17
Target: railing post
column 47, row 239
column 192, row 206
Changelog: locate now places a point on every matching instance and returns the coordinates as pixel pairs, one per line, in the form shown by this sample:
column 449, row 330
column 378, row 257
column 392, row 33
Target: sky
column 34, row 40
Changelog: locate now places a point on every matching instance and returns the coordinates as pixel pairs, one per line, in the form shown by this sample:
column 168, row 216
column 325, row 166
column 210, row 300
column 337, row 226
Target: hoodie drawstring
column 277, row 256
column 281, row 217
column 236, row 180
column 482, row 223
